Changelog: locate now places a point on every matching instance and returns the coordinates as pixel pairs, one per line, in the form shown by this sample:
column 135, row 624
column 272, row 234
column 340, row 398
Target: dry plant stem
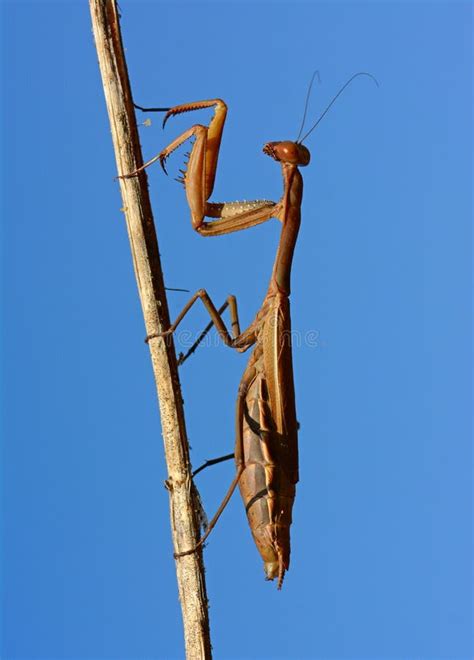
column 146, row 260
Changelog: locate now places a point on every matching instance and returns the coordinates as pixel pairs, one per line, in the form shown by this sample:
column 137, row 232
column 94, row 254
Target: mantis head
column 288, row 152
column 295, row 153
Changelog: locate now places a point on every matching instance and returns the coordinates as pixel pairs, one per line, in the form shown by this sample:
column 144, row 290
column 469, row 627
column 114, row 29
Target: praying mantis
column 266, row 430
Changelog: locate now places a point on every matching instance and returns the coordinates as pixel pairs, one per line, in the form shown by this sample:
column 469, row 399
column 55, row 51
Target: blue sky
column 382, row 534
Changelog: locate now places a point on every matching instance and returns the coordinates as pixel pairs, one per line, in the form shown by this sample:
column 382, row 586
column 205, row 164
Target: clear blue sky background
column 382, row 545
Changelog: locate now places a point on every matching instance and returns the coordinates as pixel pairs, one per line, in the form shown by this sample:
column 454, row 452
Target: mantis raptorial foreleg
column 199, row 176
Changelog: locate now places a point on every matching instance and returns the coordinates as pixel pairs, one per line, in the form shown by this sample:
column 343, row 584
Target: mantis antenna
column 361, row 73
column 316, row 73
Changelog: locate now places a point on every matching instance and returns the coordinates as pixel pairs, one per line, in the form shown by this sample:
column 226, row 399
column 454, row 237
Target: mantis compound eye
column 303, row 154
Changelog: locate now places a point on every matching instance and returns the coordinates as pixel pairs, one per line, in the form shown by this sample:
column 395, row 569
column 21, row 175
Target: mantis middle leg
column 239, row 340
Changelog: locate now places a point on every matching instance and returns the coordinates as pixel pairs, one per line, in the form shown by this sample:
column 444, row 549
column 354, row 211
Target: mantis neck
column 291, row 218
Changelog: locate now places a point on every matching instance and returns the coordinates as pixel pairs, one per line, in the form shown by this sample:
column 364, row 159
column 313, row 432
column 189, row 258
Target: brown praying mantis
column 266, row 431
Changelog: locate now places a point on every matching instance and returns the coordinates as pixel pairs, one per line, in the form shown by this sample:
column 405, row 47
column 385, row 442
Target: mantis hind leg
column 213, row 461
column 245, row 383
